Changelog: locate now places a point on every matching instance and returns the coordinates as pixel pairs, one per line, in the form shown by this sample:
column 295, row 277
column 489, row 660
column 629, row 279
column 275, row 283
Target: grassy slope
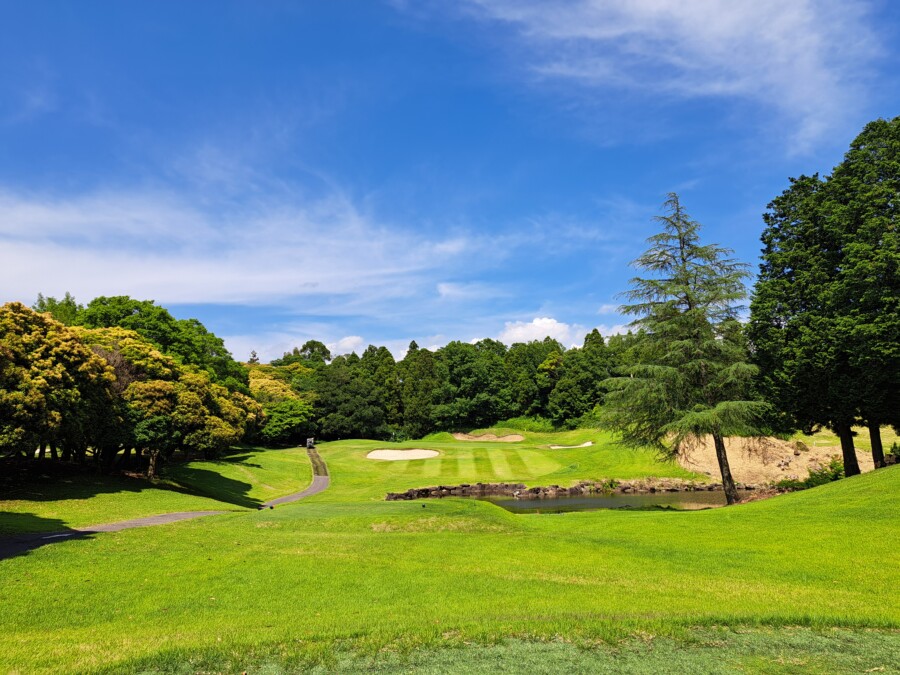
column 862, row 441
column 343, row 569
column 244, row 479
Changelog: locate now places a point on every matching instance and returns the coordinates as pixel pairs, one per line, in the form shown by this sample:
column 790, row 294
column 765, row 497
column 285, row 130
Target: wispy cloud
column 805, row 60
column 160, row 246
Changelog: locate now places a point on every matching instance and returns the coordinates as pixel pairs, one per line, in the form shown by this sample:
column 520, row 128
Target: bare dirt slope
column 765, row 460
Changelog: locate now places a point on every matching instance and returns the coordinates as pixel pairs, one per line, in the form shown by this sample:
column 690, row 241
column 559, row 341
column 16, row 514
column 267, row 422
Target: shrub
column 535, row 424
column 832, row 471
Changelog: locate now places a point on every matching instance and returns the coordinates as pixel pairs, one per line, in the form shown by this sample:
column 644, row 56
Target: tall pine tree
column 691, row 375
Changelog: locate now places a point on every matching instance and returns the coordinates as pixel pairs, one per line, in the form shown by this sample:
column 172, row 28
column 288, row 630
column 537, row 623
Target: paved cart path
column 21, row 543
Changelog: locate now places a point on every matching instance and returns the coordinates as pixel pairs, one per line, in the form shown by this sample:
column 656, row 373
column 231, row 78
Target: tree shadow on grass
column 211, row 484
column 34, row 532
column 52, row 481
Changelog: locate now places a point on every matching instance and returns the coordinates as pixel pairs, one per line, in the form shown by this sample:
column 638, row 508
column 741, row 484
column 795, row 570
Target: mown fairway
column 345, row 581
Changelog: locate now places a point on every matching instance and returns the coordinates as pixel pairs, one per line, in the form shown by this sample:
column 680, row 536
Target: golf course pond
column 681, row 501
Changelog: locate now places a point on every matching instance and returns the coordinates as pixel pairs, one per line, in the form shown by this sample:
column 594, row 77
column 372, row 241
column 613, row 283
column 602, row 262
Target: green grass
column 530, row 461
column 861, row 440
column 345, row 581
column 704, row 651
column 247, row 477
column 242, row 480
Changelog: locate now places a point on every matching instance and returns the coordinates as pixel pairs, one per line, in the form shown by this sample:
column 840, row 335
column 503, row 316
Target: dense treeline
column 459, row 386
column 121, row 381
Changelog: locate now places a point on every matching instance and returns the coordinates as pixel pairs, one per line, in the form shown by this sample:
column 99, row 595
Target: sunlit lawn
column 347, row 581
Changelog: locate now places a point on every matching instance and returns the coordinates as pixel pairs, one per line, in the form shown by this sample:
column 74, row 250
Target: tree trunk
column 53, row 453
column 731, row 495
column 877, row 447
column 851, row 465
column 42, row 452
column 151, row 468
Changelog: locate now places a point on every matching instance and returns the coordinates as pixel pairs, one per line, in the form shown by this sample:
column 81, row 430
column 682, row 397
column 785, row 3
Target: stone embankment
column 585, row 487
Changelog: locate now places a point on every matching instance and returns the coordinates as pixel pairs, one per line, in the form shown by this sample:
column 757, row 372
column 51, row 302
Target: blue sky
column 375, row 172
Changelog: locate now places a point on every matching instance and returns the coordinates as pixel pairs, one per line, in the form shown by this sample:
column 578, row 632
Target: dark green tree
column 312, row 354
column 529, row 386
column 580, row 386
column 863, row 205
column 692, row 373
column 419, row 383
column 826, row 310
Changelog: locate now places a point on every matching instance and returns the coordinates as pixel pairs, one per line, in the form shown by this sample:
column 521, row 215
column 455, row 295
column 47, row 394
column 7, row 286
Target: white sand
column 398, row 455
column 569, row 447
column 512, row 438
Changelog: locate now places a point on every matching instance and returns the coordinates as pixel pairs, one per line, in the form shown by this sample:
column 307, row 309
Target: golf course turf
column 344, row 581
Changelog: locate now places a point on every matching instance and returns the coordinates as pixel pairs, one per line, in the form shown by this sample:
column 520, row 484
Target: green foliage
column 65, row 310
column 823, row 475
column 77, row 390
column 535, row 423
column 312, row 354
column 53, row 389
column 186, row 340
column 826, row 310
column 473, row 390
column 287, row 421
column 691, row 372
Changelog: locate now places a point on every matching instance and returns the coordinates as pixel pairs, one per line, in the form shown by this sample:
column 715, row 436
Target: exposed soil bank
column 765, row 460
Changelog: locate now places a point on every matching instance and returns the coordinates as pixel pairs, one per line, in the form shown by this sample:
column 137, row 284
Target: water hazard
column 681, row 501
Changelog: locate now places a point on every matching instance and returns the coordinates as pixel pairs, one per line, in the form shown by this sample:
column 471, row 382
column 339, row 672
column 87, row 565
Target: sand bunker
column 397, row 455
column 586, row 444
column 512, row 438
column 764, row 460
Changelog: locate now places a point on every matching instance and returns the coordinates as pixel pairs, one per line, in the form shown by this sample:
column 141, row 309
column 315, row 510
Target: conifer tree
column 691, row 375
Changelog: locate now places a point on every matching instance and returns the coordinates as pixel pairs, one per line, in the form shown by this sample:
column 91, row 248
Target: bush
column 536, row 424
column 832, row 471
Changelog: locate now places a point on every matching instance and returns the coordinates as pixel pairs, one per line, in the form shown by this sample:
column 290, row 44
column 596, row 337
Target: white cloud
column 616, row 329
column 805, row 59
column 569, row 335
column 608, row 309
column 351, row 343
column 541, row 327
